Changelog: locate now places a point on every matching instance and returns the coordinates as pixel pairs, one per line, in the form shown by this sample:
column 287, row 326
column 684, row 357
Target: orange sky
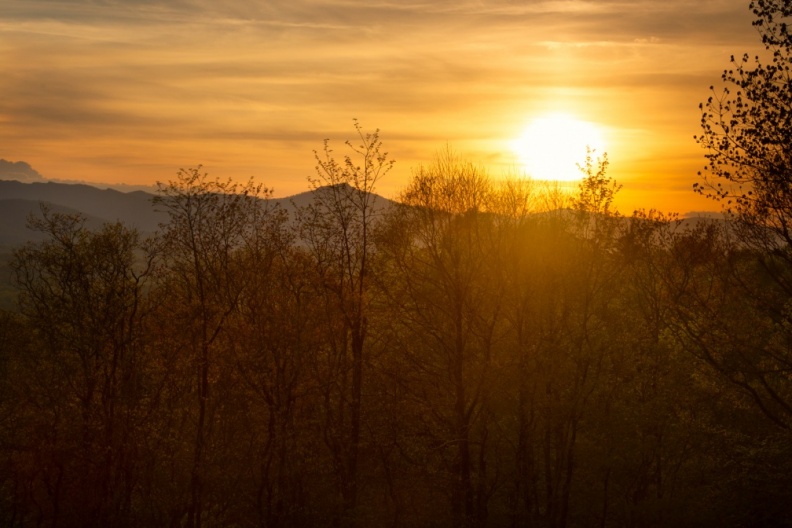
column 130, row 91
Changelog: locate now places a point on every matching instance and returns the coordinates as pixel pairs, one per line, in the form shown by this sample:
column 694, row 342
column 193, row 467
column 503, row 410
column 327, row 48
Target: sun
column 552, row 146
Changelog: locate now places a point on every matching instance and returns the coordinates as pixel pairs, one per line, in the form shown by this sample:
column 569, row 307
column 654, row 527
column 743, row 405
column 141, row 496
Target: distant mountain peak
column 19, row 171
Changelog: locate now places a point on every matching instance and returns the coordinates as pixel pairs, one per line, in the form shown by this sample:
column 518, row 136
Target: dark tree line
column 473, row 356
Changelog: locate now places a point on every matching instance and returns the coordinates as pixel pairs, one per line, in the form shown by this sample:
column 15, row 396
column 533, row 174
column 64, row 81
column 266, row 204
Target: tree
column 210, row 222
column 83, row 391
column 274, row 344
column 337, row 228
column 445, row 306
column 747, row 130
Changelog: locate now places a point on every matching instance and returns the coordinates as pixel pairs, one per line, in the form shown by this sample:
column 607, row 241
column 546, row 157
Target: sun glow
column 552, row 146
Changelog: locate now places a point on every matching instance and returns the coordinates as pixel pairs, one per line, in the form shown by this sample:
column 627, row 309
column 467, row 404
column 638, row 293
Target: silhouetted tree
column 337, row 229
column 747, row 130
column 82, row 387
column 210, row 223
column 445, row 300
column 274, row 343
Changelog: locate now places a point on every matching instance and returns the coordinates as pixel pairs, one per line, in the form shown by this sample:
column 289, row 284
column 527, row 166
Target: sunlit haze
column 129, row 92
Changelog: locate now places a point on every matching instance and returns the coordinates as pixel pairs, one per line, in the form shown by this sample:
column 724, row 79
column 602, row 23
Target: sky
column 130, row 91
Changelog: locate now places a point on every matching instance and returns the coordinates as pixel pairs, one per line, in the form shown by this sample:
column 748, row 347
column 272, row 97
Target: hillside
column 20, row 200
column 108, row 205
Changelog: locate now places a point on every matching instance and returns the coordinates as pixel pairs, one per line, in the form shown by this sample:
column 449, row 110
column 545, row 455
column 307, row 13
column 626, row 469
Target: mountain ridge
column 18, row 200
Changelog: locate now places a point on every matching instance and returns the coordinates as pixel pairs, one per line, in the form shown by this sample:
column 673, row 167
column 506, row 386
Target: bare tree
column 337, row 228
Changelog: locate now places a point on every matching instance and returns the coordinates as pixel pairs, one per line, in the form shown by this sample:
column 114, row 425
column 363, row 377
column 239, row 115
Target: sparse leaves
column 747, row 130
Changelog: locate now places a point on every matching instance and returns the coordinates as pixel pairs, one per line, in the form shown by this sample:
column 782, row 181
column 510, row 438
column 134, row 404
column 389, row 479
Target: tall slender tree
column 337, row 227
